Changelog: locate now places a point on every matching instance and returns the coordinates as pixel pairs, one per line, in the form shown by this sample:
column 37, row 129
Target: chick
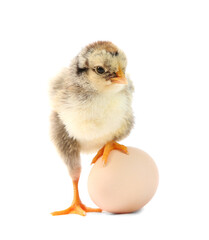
column 91, row 103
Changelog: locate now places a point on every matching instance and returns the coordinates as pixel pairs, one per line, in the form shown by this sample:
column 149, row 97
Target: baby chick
column 91, row 102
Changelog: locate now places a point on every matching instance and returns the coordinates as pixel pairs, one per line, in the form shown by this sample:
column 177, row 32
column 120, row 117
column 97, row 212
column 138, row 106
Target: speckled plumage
column 89, row 110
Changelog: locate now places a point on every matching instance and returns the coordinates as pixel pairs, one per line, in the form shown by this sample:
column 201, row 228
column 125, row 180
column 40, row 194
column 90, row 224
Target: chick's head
column 103, row 65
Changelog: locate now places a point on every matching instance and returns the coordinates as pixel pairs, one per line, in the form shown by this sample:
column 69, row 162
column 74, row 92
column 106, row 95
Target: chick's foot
column 77, row 206
column 105, row 151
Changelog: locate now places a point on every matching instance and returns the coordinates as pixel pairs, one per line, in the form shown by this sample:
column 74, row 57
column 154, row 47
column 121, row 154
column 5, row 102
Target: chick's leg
column 70, row 152
column 105, row 151
column 77, row 207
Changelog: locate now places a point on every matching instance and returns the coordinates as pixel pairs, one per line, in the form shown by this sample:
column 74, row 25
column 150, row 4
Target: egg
column 126, row 183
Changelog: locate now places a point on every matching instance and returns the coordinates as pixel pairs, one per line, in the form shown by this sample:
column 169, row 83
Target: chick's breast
column 98, row 121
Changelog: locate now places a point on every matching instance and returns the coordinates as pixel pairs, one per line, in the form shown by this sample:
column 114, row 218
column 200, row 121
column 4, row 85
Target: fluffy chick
column 91, row 103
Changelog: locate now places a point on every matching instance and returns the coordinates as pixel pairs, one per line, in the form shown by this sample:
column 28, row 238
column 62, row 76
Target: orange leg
column 77, row 207
column 105, row 151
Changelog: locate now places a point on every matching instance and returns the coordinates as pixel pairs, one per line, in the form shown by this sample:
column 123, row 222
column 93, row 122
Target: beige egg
column 126, row 183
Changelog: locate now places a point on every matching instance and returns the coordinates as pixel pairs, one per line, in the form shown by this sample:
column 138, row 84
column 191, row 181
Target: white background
column 167, row 45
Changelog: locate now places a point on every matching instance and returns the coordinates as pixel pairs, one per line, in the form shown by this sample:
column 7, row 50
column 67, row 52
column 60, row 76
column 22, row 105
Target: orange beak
column 121, row 79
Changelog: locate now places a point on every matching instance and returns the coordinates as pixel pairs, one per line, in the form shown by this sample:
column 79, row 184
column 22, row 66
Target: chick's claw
column 89, row 209
column 74, row 209
column 79, row 209
column 105, row 151
column 99, row 154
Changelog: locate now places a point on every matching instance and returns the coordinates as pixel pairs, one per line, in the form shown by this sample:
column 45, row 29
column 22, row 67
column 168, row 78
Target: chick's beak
column 121, row 79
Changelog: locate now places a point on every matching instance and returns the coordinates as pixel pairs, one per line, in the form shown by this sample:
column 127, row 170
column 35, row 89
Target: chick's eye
column 100, row 70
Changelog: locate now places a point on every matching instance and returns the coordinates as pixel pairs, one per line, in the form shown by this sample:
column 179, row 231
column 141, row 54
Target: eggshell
column 126, row 183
